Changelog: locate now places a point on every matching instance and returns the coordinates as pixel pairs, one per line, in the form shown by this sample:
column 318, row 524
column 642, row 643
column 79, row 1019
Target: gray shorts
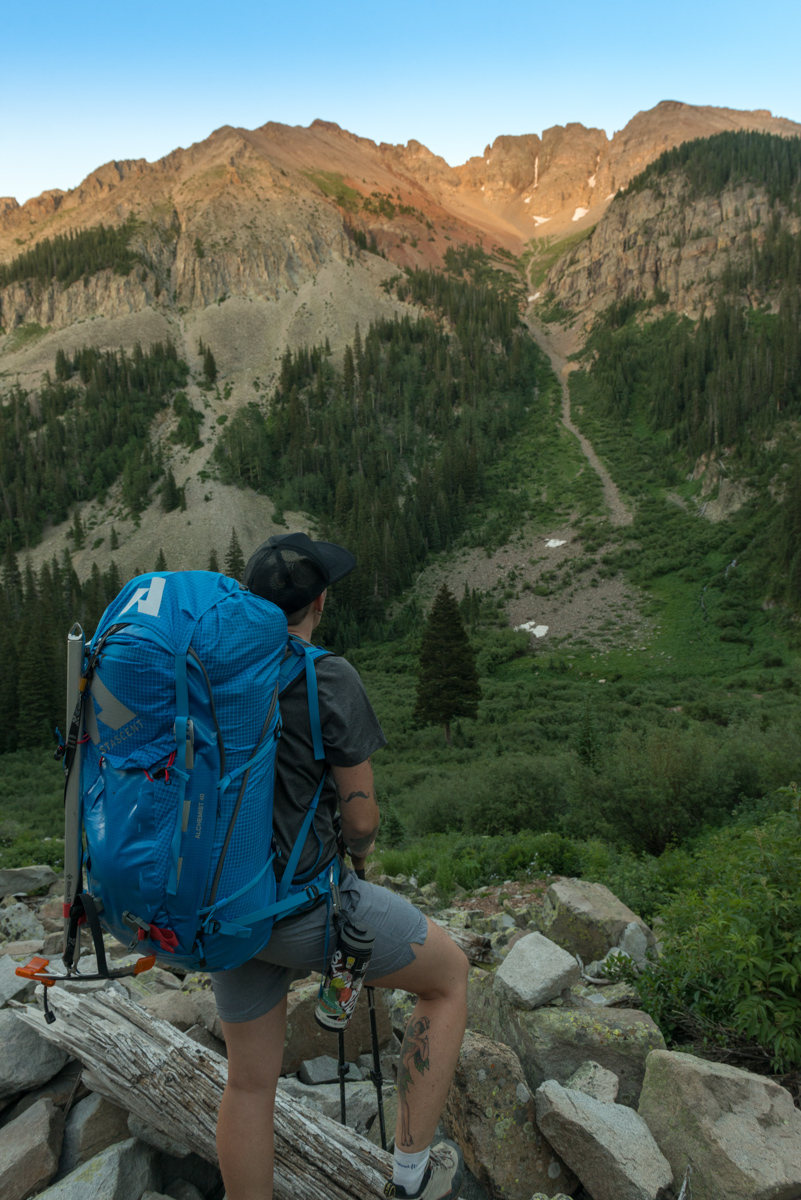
column 296, row 948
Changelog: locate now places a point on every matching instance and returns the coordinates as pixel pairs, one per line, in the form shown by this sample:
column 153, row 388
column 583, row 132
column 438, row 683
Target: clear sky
column 87, row 82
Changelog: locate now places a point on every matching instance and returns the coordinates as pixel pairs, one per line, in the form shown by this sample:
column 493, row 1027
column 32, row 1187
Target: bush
column 729, row 976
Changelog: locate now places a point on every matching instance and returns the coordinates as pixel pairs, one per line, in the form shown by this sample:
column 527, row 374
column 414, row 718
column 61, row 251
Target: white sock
column 408, row 1169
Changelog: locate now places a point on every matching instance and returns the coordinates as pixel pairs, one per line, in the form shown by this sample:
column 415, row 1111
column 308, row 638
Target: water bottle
column 344, row 976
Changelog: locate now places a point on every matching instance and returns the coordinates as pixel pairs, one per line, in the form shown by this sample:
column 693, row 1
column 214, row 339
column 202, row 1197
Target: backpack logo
column 147, row 599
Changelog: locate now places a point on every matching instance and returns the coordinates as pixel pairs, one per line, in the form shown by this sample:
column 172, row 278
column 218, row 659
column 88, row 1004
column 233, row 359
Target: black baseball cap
column 292, row 570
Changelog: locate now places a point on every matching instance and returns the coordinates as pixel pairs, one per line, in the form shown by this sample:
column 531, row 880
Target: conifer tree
column 209, row 366
column 214, row 562
column 77, row 532
column 161, row 562
column 170, row 495
column 447, row 681
column 115, row 539
column 234, row 558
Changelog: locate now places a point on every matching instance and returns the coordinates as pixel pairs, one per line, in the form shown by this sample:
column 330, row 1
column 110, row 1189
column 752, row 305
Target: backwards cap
column 292, row 570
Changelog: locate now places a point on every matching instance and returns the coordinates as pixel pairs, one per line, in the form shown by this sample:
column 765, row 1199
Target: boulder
column 121, row 1172
column 325, row 1069
column 535, row 971
column 12, row 987
column 490, row 1113
column 306, row 1039
column 608, row 1146
column 206, row 1005
column 176, row 1008
column 740, row 1131
column 586, row 918
column 63, row 1086
column 552, row 1043
column 27, row 1060
column 594, row 1080
column 29, row 1150
column 361, row 1102
column 182, row 1189
column 19, row 924
column 151, row 1136
column 92, row 1124
column 201, row 1035
column 21, row 881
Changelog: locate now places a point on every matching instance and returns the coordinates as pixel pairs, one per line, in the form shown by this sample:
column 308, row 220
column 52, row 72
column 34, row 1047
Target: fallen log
column 170, row 1081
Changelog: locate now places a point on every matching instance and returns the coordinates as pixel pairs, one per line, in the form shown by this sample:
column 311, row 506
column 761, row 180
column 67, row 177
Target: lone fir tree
column 234, row 558
column 447, row 681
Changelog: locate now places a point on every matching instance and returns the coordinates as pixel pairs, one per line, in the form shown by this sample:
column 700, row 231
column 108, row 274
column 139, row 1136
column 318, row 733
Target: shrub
column 729, row 976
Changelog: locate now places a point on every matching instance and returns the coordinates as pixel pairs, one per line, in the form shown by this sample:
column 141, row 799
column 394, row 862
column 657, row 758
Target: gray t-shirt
column 351, row 733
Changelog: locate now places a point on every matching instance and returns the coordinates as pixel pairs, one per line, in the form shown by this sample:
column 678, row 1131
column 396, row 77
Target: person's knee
column 447, row 979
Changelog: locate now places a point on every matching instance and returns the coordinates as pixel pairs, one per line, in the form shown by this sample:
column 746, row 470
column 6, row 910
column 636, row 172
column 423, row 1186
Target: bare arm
column 358, row 809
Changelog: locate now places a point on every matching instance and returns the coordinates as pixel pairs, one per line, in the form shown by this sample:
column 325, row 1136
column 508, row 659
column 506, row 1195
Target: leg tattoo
column 414, row 1054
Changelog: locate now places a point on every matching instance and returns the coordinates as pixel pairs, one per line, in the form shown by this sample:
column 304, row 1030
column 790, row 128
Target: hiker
column 410, row 951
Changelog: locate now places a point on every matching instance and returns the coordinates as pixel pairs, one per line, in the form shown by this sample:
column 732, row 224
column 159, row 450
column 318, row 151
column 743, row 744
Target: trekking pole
column 72, row 790
column 343, row 1070
column 375, row 1074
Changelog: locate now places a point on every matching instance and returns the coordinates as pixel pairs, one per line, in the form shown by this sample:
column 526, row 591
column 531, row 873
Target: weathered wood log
column 168, row 1080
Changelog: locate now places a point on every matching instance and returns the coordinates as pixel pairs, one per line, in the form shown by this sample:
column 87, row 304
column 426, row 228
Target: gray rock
column 739, row 1131
column 634, row 942
column 182, row 1189
column 21, row 881
column 306, row 1039
column 67, row 1083
column 121, row 1172
column 192, row 1169
column 92, row 1124
column 206, row 1005
column 325, row 1069
column 27, row 1060
column 534, row 972
column 389, row 1065
column 29, row 1150
column 201, row 1035
column 12, row 987
column 594, row 1080
column 608, row 1146
column 401, row 1006
column 586, row 918
column 176, row 1008
column 360, row 1099
column 552, row 1042
column 151, row 1136
column 490, row 1113
column 19, row 924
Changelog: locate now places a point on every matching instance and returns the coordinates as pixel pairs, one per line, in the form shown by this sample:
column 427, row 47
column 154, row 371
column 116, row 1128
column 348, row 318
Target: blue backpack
column 181, row 717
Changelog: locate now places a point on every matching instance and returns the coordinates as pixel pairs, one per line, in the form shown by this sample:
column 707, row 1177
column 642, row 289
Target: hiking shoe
column 442, row 1179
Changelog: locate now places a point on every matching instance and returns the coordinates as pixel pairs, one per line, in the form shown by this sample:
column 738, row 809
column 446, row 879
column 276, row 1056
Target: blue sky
column 86, row 82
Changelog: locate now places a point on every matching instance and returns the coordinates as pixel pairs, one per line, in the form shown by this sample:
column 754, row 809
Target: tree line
column 726, row 159
column 74, row 437
column 68, row 257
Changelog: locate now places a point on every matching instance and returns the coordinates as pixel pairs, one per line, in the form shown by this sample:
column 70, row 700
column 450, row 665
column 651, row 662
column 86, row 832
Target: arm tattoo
column 353, row 796
column 414, row 1061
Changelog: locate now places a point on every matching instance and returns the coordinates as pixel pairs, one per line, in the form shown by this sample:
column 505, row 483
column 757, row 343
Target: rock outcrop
column 739, row 1132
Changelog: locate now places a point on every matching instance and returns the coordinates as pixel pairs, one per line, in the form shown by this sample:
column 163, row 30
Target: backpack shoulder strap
column 301, row 655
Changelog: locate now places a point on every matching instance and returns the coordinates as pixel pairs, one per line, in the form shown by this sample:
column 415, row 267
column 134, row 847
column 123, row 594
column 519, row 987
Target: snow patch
column 579, row 213
column 540, row 220
column 527, row 200
column 611, row 195
column 591, row 181
column 552, row 543
column 532, row 627
column 482, row 187
column 536, row 296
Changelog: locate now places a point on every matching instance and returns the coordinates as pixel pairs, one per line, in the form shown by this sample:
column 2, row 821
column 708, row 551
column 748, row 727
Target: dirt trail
column 558, row 344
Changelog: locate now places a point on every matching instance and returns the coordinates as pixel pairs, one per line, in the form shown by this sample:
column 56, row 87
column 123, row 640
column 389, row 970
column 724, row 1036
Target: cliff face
column 656, row 243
